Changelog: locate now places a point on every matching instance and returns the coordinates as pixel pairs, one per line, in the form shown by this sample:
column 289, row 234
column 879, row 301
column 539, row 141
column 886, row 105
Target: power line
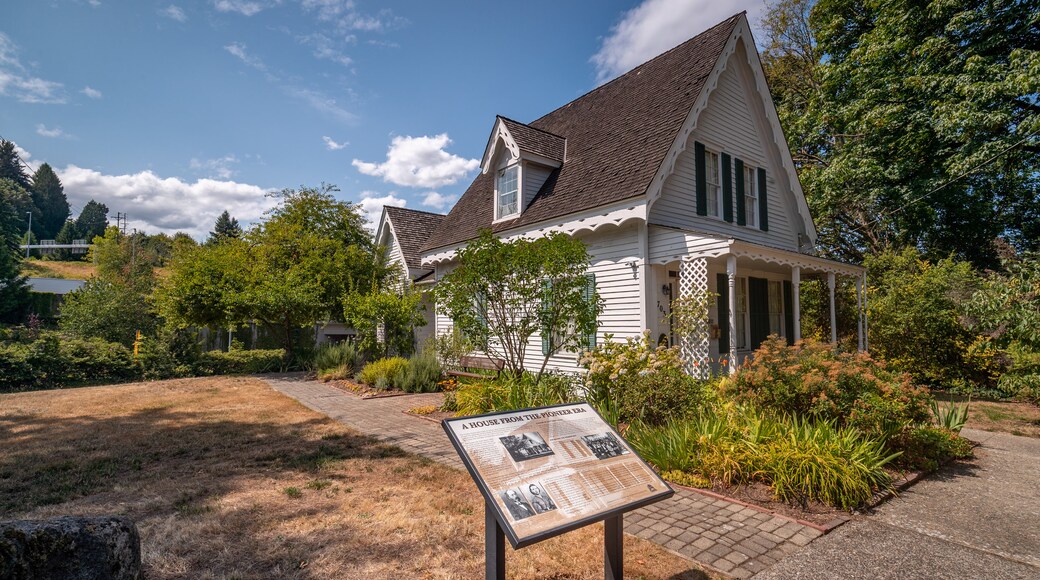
column 948, row 182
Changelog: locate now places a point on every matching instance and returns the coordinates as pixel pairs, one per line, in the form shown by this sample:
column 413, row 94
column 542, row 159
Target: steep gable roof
column 412, row 228
column 617, row 136
column 535, row 140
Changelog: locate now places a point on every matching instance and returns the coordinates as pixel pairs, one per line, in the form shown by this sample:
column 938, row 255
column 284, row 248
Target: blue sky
column 174, row 111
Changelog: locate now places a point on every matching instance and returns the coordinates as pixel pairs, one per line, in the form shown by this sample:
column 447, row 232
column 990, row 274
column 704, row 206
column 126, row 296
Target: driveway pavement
column 978, row 520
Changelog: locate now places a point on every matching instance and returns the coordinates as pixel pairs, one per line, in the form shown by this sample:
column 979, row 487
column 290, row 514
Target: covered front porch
column 757, row 294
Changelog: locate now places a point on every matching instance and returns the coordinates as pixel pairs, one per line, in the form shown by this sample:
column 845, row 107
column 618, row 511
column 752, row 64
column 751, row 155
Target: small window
column 507, row 190
column 750, row 196
column 741, row 313
column 712, row 180
column 776, row 308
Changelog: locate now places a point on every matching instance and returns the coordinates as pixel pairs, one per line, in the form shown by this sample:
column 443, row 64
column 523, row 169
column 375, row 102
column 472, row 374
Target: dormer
column 520, row 158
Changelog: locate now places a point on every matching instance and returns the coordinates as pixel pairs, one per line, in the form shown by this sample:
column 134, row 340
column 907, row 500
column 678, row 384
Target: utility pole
column 121, row 222
column 28, row 235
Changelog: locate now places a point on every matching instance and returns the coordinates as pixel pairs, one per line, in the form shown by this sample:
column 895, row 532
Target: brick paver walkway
column 729, row 537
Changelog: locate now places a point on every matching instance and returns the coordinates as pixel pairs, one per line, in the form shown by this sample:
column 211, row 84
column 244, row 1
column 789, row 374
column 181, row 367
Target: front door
column 758, row 310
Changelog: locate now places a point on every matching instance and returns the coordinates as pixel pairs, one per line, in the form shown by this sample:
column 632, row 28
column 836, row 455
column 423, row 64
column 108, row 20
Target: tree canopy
column 226, row 227
column 93, row 220
column 48, row 196
column 912, row 123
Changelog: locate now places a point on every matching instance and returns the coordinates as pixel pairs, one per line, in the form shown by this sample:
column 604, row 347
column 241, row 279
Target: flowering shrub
column 639, row 380
column 811, row 379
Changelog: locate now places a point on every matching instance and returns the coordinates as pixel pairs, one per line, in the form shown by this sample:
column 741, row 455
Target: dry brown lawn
column 227, row 478
column 77, row 270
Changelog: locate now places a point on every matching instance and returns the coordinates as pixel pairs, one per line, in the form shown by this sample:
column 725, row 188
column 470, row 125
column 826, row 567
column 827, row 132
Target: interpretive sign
column 552, row 469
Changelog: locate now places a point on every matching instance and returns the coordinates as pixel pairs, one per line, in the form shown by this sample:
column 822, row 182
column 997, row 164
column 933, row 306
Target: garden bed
column 365, row 391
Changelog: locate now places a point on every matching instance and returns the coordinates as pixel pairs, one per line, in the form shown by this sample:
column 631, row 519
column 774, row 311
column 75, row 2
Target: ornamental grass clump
column 512, row 393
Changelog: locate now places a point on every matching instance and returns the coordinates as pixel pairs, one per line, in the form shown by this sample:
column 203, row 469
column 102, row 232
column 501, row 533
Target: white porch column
column 796, row 302
column 834, row 315
column 859, row 312
column 731, row 275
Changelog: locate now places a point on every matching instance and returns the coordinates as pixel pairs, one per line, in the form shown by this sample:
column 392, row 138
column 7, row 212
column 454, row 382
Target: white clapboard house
column 678, row 177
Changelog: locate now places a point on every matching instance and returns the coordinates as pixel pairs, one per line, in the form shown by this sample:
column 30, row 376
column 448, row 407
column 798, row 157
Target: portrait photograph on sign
column 553, row 468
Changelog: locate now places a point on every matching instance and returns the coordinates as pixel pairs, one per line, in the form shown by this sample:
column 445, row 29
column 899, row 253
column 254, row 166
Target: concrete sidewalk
column 973, row 520
column 725, row 536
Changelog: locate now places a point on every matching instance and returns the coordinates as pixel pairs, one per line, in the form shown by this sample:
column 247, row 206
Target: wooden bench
column 478, row 362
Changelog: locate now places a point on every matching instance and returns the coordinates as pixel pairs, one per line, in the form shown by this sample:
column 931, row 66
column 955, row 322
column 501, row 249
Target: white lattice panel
column 693, row 279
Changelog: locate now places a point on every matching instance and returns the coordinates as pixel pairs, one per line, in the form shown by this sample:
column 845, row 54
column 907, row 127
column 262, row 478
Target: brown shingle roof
column 536, row 140
column 617, row 137
column 412, row 228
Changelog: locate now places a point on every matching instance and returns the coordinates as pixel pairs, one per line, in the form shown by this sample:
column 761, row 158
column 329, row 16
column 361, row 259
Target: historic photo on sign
column 539, row 500
column 604, row 445
column 526, row 446
column 517, row 505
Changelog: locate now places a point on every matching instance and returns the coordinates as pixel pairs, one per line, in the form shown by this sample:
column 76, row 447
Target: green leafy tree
column 108, row 310
column 11, row 166
column 503, row 293
column 93, row 220
column 123, row 260
column 206, row 285
column 49, row 197
column 915, row 308
column 226, row 227
column 912, row 123
column 393, row 312
column 310, row 251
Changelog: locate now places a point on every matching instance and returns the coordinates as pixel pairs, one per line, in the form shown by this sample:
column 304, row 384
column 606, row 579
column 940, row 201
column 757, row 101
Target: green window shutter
column 788, row 313
column 758, row 310
column 738, row 169
column 547, row 345
column 590, row 294
column 727, row 188
column 763, row 205
column 702, row 179
column 722, row 284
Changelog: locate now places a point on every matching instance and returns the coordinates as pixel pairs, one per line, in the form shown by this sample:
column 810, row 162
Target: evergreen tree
column 11, row 165
column 14, row 293
column 225, row 228
column 19, row 204
column 68, row 234
column 93, row 220
column 49, row 197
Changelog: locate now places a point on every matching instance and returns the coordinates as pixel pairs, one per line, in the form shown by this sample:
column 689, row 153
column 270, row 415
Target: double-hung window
column 507, row 190
column 713, row 182
column 750, row 196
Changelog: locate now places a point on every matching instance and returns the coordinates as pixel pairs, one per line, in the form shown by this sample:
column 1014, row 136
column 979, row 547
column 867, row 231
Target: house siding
column 534, row 177
column 727, row 124
column 611, row 255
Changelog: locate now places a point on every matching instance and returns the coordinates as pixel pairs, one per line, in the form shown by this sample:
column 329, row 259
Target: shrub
column 380, row 373
column 951, row 417
column 53, row 361
column 171, row 353
column 915, row 307
column 422, row 375
column 661, row 396
column 335, row 356
column 812, row 380
column 480, row 397
column 512, row 393
column 924, row 447
column 451, row 347
column 237, row 362
column 95, row 360
column 618, row 367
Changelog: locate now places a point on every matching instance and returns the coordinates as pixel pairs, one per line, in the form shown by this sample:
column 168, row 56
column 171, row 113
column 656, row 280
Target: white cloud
column 26, row 158
column 92, row 93
column 326, row 48
column 219, row 167
column 372, row 205
column 238, row 50
column 53, row 133
column 17, row 82
column 346, row 17
column 243, row 7
column 174, row 12
column 165, row 204
column 419, row 162
column 655, row 26
column 94, row 3
column 332, row 145
column 438, row 201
